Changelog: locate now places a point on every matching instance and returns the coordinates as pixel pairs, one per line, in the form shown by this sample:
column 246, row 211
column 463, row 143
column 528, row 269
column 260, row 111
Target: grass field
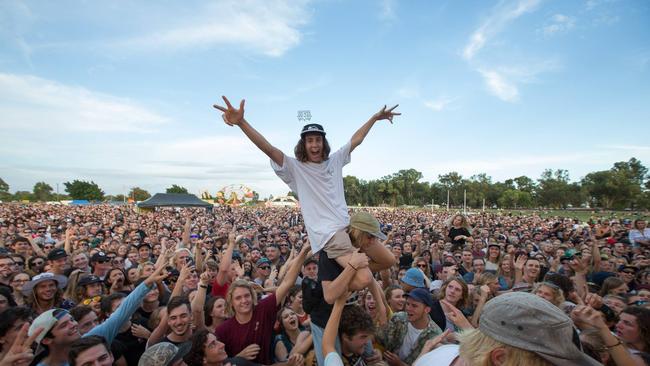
column 583, row 215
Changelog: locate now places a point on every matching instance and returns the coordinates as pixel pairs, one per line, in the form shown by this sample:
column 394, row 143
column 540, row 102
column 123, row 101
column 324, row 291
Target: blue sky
column 120, row 92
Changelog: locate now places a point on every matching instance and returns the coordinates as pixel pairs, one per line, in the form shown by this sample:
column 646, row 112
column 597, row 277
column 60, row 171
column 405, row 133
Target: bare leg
column 362, row 277
column 380, row 257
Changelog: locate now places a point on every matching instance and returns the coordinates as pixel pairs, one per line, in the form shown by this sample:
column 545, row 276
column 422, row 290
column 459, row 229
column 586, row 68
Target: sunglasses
column 638, row 303
column 94, row 299
column 422, row 266
column 264, row 267
column 19, row 263
column 629, row 272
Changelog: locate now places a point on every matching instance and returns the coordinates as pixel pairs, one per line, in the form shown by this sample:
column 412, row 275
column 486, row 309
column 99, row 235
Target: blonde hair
column 476, row 347
column 463, row 223
column 357, row 236
column 558, row 296
column 239, row 284
column 71, row 292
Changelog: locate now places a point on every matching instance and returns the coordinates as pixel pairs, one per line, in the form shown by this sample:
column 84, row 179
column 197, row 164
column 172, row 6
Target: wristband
column 614, row 345
column 203, row 286
column 354, row 268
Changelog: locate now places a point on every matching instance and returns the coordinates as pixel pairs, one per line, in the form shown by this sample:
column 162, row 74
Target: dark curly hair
column 354, row 319
column 197, row 353
column 301, row 152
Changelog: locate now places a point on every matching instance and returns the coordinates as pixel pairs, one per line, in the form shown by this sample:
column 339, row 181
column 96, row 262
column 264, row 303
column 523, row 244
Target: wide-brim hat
column 364, row 221
column 530, row 323
column 61, row 282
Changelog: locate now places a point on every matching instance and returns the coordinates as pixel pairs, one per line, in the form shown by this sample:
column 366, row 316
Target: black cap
column 99, row 257
column 312, row 128
column 87, row 280
column 57, row 253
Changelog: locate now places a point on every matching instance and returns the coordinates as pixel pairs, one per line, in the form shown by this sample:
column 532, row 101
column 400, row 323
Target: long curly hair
column 300, row 151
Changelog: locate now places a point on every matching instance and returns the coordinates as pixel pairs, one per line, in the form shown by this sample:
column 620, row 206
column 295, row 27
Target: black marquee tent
column 173, row 200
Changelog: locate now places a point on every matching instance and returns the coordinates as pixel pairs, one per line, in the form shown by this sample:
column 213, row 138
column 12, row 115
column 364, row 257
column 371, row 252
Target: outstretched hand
column 231, row 115
column 387, row 114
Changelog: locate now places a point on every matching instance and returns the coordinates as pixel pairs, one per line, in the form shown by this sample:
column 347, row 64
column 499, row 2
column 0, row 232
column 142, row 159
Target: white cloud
column 559, row 24
column 270, row 27
column 499, row 86
column 495, row 23
column 439, row 104
column 388, row 9
column 32, row 103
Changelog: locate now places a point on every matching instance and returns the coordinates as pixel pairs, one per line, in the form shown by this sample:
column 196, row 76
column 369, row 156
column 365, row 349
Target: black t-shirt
column 406, row 260
column 328, row 270
column 454, row 232
column 135, row 346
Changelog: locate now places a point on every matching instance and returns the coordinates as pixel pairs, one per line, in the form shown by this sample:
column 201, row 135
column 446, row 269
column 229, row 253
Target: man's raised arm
column 361, row 133
column 235, row 117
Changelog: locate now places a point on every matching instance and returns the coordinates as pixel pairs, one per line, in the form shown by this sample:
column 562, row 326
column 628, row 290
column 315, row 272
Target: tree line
column 76, row 190
column 625, row 185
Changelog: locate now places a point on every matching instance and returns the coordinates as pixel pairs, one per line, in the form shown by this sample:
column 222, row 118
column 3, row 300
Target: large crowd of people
column 102, row 285
column 320, row 286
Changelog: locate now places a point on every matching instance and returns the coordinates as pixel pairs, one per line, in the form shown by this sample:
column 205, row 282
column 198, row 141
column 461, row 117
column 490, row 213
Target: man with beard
column 6, row 269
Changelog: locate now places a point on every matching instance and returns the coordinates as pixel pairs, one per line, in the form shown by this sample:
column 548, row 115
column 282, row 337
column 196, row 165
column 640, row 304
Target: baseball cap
column 87, row 280
column 312, row 128
column 262, row 261
column 57, row 253
column 364, row 221
column 164, row 354
column 531, row 323
column 421, row 295
column 99, row 257
column 47, row 320
column 413, row 277
column 61, row 281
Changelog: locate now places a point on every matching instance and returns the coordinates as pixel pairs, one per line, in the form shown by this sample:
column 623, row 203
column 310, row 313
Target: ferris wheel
column 234, row 194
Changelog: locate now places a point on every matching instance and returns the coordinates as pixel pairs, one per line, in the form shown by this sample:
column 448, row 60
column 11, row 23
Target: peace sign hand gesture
column 386, row 114
column 20, row 352
column 231, row 115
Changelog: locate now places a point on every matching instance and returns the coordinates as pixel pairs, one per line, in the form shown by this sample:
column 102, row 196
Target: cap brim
column 379, row 235
column 61, row 282
column 582, row 359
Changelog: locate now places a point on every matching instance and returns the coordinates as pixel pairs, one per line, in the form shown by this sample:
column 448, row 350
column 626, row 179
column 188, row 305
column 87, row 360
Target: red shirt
column 258, row 330
column 218, row 290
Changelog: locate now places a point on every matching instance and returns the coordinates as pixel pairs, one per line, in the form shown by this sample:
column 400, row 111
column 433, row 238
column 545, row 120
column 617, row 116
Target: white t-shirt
column 409, row 341
column 333, row 359
column 441, row 356
column 319, row 187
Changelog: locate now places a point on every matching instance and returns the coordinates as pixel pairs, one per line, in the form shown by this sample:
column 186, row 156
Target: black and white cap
column 312, row 128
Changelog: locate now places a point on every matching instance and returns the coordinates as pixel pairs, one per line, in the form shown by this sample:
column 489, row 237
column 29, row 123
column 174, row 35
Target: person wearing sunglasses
column 262, row 271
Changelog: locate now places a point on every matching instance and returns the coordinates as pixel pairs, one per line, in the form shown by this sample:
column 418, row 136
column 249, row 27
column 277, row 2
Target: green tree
column 82, row 190
column 176, row 189
column 23, row 196
column 4, row 191
column 42, row 192
column 553, row 189
column 139, row 194
column 454, row 183
column 352, row 189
